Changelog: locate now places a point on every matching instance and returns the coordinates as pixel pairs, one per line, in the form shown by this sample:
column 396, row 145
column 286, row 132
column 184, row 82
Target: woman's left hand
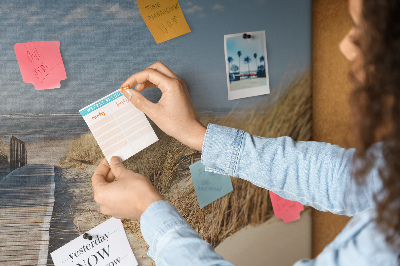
column 128, row 197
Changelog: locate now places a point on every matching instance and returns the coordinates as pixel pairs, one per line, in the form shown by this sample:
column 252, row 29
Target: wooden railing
column 18, row 154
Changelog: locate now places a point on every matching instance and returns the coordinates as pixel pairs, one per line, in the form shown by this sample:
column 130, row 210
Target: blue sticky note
column 209, row 186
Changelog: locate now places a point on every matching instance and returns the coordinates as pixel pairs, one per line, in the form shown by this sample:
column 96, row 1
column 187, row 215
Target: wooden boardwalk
column 26, row 205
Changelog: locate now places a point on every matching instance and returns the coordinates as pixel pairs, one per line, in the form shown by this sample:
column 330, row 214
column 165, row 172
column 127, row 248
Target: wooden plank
column 11, row 152
column 14, row 153
column 26, row 204
column 17, row 146
column 17, row 153
column 20, row 154
column 23, row 152
column 10, row 157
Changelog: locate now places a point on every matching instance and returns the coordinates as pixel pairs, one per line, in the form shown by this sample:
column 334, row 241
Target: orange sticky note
column 284, row 209
column 41, row 64
column 164, row 18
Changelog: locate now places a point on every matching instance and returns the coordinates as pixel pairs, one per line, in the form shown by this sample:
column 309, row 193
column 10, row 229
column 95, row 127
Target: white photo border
column 248, row 92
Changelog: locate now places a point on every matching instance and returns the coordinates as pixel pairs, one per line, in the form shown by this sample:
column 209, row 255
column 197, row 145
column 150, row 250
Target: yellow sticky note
column 164, row 18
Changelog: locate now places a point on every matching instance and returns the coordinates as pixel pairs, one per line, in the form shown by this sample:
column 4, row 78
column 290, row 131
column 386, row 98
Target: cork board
column 331, row 89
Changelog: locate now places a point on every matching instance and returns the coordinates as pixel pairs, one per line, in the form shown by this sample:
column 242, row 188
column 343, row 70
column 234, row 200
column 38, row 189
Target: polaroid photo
column 246, row 64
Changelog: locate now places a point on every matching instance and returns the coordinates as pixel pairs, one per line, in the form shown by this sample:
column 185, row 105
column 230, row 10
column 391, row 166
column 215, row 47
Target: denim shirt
column 312, row 173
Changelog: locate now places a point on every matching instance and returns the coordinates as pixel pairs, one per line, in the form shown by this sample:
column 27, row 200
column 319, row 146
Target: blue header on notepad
column 100, row 103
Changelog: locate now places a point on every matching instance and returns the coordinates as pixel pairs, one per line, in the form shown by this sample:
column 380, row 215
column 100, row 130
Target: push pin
column 87, row 236
column 246, row 36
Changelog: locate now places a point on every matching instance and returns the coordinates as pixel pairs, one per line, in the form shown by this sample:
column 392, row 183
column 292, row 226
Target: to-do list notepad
column 118, row 126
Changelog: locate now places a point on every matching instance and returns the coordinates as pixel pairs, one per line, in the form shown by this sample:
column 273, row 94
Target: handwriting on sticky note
column 284, row 209
column 209, row 186
column 118, row 126
column 108, row 246
column 41, row 63
column 164, row 18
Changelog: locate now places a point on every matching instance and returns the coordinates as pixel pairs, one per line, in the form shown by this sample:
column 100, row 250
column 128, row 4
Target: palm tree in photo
column 234, row 68
column 239, row 53
column 262, row 59
column 255, row 60
column 264, row 73
column 230, row 60
column 247, row 60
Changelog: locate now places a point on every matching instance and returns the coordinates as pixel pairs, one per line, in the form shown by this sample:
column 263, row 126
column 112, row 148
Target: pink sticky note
column 41, row 64
column 286, row 210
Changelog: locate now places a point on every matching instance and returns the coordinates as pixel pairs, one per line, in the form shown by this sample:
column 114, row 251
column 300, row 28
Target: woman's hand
column 174, row 112
column 128, row 197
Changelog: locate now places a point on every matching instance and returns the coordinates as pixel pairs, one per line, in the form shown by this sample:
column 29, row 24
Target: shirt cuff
column 159, row 218
column 222, row 148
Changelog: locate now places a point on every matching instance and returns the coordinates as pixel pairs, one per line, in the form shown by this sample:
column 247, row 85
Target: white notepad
column 118, row 126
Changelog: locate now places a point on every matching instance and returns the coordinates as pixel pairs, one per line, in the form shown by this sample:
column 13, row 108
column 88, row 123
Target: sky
column 104, row 42
column 248, row 47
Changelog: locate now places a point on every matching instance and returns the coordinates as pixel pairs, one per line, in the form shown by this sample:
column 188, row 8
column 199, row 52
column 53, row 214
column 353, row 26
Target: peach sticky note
column 284, row 209
column 164, row 18
column 41, row 63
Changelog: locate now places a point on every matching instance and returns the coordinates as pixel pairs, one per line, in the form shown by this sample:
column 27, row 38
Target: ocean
column 42, row 127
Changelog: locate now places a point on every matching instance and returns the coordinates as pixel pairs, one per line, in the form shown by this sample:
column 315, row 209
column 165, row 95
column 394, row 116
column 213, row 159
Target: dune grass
column 286, row 112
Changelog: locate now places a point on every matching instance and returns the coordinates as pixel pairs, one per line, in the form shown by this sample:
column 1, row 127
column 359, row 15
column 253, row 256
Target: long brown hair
column 375, row 103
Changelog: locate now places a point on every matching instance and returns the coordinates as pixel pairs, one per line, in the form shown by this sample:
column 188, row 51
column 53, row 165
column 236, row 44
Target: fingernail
column 129, row 93
column 124, row 88
column 115, row 160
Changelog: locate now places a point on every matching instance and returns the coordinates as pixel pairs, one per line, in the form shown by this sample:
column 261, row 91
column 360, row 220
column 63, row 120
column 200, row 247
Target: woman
column 317, row 174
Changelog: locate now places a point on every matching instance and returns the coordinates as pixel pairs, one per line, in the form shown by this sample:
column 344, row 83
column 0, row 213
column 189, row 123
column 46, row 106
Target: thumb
column 117, row 168
column 138, row 100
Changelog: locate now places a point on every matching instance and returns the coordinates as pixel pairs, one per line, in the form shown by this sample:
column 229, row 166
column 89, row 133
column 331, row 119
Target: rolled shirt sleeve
column 313, row 173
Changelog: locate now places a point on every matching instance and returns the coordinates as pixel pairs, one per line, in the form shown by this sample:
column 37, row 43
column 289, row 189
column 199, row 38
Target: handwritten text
column 164, row 11
column 121, row 102
column 100, row 114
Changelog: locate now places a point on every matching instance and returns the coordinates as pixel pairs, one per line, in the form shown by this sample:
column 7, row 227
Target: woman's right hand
column 174, row 112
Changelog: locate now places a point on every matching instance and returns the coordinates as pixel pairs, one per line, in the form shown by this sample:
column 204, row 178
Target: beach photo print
column 246, row 64
column 62, row 112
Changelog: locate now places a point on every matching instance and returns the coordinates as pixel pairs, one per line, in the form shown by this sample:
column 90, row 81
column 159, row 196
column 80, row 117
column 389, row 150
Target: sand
column 75, row 210
column 47, row 152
